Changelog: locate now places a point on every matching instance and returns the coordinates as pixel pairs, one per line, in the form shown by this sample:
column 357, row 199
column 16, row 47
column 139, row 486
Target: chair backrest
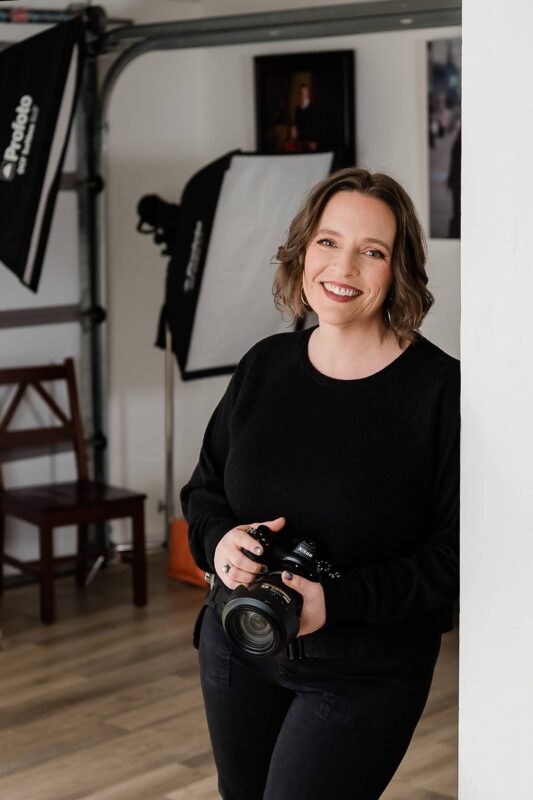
column 31, row 442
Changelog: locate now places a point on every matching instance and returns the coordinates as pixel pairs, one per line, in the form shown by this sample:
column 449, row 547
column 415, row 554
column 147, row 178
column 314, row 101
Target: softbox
column 234, row 214
column 40, row 79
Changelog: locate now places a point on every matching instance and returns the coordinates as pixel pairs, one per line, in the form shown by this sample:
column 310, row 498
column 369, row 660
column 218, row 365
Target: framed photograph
column 305, row 103
column 444, row 135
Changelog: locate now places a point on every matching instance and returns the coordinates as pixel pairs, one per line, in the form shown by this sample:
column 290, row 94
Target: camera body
column 262, row 618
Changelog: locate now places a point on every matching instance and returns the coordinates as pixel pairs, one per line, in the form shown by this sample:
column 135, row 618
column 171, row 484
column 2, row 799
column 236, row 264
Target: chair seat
column 31, row 502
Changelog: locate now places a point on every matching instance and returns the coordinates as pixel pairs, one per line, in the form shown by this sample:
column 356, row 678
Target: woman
column 348, row 432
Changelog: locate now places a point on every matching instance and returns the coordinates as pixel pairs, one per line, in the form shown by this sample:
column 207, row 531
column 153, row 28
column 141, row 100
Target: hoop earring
column 304, row 302
column 390, row 300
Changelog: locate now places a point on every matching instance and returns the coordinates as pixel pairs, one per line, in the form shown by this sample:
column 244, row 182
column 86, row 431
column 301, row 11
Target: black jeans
column 315, row 728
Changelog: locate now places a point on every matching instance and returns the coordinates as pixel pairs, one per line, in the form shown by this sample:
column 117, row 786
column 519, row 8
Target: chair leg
column 139, row 557
column 81, row 562
column 46, row 533
column 2, row 531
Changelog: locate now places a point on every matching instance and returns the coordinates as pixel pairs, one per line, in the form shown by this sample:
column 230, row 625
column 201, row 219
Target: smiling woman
column 370, row 224
column 345, row 436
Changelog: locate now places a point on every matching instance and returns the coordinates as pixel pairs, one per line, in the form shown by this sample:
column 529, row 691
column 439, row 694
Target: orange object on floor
column 180, row 562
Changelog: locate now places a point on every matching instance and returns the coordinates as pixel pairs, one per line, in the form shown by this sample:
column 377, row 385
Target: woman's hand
column 313, row 614
column 228, row 551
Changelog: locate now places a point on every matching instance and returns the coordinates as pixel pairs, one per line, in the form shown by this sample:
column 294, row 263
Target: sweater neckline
column 327, row 380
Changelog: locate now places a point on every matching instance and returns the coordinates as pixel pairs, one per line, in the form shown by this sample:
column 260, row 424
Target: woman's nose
column 347, row 263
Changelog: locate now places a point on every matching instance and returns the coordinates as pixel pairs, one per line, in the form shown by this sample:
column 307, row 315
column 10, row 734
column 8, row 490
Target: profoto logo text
column 15, row 159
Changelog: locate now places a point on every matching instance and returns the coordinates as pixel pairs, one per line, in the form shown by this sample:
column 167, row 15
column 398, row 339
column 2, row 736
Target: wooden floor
column 106, row 705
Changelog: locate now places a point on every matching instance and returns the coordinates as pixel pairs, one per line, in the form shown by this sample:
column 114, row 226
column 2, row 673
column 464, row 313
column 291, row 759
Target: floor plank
column 106, row 704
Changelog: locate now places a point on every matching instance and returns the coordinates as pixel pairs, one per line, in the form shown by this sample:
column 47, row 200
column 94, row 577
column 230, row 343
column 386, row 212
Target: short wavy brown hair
column 409, row 300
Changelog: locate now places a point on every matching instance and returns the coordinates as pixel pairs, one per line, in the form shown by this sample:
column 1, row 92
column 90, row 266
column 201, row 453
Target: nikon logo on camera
column 15, row 159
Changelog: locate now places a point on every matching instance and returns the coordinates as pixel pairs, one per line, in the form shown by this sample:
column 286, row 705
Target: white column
column 496, row 631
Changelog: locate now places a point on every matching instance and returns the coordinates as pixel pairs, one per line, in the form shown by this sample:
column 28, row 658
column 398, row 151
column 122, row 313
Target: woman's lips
column 339, row 298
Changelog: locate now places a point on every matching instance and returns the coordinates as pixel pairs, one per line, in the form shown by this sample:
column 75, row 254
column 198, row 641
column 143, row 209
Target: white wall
column 213, row 8
column 156, row 143
column 496, row 647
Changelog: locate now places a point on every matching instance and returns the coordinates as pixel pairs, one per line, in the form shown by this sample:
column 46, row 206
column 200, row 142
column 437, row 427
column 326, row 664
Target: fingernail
column 257, row 550
column 287, row 576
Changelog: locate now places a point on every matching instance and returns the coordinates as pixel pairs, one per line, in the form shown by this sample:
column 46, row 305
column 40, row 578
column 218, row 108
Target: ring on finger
column 226, row 567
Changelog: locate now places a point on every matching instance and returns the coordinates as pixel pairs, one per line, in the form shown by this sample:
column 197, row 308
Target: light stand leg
column 169, row 434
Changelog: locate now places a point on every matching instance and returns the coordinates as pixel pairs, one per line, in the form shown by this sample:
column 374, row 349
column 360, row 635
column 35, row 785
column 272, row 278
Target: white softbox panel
column 219, row 287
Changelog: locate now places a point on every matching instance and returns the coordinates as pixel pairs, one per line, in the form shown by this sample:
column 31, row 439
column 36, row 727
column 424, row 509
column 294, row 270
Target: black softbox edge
column 30, row 207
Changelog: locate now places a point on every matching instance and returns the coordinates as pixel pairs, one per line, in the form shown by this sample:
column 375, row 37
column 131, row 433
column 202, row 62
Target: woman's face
column 352, row 248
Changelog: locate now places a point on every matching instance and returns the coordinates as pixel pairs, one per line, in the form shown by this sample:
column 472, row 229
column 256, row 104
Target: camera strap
column 218, row 595
column 213, row 600
column 294, row 650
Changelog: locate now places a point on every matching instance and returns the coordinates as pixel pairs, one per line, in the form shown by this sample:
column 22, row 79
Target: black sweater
column 369, row 467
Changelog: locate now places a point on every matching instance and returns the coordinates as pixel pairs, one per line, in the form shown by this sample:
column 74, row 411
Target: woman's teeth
column 332, row 288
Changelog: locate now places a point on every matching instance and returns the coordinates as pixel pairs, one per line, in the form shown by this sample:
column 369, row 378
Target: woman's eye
column 323, row 241
column 377, row 253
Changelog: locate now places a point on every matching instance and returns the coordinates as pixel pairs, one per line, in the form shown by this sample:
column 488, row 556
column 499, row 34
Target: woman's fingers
column 230, row 551
column 249, row 543
column 245, row 564
column 313, row 614
column 235, row 575
column 241, row 568
column 242, row 561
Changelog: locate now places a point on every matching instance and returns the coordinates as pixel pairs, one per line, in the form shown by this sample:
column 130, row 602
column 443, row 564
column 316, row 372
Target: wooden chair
column 78, row 502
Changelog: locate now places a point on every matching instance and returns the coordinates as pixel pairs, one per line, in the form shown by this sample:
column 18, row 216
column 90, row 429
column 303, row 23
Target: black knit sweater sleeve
column 425, row 578
column 203, row 499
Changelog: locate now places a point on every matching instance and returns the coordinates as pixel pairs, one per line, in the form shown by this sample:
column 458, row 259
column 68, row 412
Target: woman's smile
column 338, row 293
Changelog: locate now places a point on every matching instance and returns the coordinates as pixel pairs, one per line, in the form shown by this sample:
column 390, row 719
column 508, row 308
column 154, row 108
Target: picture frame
column 444, row 137
column 305, row 102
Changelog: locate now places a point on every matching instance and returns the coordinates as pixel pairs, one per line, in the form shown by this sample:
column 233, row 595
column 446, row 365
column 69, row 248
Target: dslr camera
column 263, row 617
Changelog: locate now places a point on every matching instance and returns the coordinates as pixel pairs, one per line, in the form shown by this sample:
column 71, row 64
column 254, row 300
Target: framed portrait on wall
column 444, row 136
column 305, row 103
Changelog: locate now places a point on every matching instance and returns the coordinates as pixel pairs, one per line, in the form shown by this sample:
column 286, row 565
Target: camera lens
column 254, row 625
column 252, row 631
column 261, row 619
